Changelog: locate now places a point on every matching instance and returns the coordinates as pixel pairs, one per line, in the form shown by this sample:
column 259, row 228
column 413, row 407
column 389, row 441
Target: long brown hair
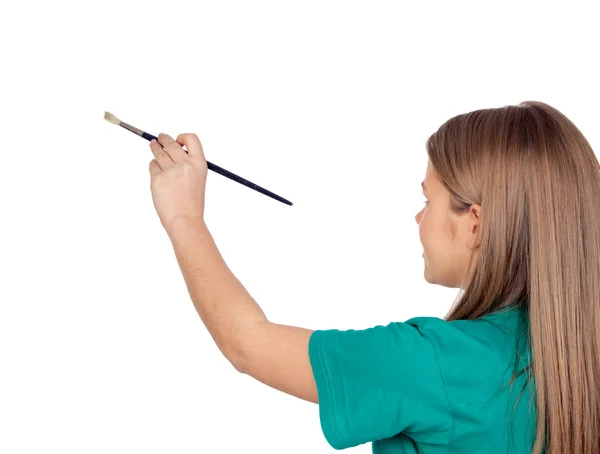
column 538, row 183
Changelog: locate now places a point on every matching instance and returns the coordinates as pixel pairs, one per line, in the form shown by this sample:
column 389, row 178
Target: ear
column 474, row 217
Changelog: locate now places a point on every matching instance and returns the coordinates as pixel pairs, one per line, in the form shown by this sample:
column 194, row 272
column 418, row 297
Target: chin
column 431, row 280
column 426, row 275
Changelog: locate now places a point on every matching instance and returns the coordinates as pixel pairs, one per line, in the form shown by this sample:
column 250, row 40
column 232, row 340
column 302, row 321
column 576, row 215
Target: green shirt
column 427, row 385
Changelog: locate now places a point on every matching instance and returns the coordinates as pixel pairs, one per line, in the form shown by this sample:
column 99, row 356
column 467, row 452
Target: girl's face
column 448, row 239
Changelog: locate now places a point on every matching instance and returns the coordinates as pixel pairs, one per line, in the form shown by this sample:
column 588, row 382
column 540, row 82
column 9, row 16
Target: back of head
column 538, row 183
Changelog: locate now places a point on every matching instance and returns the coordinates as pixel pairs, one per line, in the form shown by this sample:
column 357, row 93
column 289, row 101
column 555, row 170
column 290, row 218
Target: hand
column 178, row 179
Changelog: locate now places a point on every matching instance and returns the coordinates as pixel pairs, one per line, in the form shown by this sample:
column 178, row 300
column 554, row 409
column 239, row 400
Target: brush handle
column 231, row 176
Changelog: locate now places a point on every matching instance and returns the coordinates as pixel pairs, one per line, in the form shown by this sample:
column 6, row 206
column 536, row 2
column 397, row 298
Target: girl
column 512, row 219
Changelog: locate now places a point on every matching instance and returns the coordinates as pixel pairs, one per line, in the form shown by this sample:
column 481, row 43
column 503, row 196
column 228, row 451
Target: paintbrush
column 215, row 168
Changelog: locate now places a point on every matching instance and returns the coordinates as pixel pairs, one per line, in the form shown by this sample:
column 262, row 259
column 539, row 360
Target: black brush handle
column 231, row 176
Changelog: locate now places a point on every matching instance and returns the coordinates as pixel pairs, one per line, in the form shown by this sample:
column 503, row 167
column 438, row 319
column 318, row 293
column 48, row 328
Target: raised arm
column 276, row 355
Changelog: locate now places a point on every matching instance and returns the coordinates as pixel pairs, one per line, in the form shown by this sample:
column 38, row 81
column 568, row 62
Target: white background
column 327, row 104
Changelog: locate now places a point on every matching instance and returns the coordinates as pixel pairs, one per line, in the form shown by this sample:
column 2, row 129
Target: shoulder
column 472, row 354
column 494, row 333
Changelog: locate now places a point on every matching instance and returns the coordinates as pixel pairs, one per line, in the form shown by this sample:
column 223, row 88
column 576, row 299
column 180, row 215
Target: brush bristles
column 110, row 117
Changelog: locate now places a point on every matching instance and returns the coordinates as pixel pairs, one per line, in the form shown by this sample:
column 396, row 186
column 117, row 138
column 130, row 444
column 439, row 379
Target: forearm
column 225, row 307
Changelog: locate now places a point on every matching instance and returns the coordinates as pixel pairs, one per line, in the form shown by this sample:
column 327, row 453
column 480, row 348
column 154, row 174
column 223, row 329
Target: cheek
column 428, row 231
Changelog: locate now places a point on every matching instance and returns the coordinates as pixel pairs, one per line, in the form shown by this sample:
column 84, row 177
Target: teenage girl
column 512, row 219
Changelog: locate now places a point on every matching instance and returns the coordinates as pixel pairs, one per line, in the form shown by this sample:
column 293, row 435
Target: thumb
column 192, row 143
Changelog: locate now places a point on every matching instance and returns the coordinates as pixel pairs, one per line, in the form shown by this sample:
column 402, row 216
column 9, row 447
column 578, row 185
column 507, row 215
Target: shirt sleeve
column 375, row 383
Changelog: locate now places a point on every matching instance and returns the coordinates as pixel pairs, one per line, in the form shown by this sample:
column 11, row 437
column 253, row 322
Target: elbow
column 241, row 351
column 236, row 358
column 237, row 365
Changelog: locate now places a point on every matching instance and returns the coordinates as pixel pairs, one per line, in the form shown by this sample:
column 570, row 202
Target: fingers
column 173, row 151
column 172, row 147
column 160, row 155
column 154, row 167
column 192, row 144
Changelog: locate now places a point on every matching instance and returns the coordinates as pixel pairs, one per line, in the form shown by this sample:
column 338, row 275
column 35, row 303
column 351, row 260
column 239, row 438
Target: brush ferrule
column 139, row 132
